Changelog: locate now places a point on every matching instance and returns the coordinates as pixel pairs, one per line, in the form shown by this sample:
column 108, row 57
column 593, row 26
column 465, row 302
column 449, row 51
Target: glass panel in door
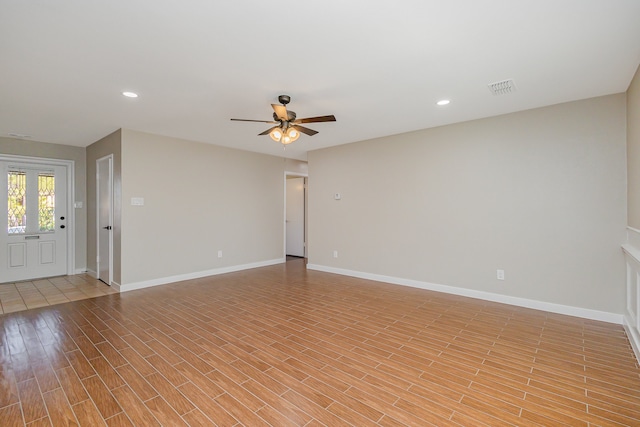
column 16, row 202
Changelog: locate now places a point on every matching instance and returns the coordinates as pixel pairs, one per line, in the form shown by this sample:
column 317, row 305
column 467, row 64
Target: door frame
column 110, row 183
column 69, row 165
column 284, row 216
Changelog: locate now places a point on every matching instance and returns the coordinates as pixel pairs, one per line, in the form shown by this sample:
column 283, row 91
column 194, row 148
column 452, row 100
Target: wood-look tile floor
column 283, row 346
column 21, row 296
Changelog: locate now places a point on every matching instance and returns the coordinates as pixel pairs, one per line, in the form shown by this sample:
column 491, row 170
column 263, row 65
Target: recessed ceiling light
column 130, row 94
column 443, row 102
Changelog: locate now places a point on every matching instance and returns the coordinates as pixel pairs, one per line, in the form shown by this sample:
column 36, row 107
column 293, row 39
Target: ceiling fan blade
column 268, row 131
column 305, row 130
column 281, row 112
column 249, row 120
column 318, row 119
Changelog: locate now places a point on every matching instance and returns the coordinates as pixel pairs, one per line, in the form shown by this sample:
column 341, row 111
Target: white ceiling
column 379, row 66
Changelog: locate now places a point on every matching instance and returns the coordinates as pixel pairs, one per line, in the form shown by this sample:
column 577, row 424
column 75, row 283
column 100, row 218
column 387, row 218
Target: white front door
column 104, row 189
column 295, row 217
column 33, row 209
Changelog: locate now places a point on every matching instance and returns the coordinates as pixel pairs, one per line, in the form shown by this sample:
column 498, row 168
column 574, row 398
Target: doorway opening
column 104, row 220
column 295, row 228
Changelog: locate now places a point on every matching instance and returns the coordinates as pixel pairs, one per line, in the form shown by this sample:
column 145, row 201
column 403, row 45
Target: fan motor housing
column 291, row 115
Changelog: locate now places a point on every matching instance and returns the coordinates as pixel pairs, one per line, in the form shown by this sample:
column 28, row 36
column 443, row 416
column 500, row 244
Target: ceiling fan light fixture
column 293, row 134
column 276, row 134
column 284, row 136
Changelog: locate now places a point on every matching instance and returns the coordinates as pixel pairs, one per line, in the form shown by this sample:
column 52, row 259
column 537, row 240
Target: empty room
column 415, row 213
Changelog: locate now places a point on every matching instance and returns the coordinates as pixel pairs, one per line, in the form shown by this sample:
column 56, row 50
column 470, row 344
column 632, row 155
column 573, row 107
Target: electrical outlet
column 335, row 254
column 500, row 274
column 219, row 254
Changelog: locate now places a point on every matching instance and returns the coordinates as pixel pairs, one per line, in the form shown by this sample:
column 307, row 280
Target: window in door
column 21, row 203
column 17, row 198
column 46, row 202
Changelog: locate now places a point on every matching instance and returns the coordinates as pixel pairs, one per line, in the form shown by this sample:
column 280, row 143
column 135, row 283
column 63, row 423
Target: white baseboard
column 488, row 296
column 189, row 276
column 634, row 337
column 80, row 271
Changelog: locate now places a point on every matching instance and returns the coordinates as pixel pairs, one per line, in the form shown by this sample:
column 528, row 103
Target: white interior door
column 295, row 217
column 33, row 242
column 104, row 210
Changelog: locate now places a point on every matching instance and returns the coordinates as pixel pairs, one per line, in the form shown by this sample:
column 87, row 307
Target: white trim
column 633, row 240
column 488, row 296
column 92, row 273
column 80, row 271
column 631, row 251
column 71, row 199
column 195, row 275
column 634, row 337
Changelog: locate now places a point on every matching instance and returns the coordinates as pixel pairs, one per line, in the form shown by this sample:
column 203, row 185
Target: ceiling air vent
column 19, row 135
column 502, row 88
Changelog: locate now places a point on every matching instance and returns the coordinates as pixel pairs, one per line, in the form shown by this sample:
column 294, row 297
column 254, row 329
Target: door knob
column 108, row 227
column 62, row 226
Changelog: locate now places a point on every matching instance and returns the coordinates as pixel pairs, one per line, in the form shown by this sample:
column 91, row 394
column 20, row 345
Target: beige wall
column 20, row 147
column 296, row 166
column 540, row 194
column 198, row 199
column 633, row 152
column 110, row 144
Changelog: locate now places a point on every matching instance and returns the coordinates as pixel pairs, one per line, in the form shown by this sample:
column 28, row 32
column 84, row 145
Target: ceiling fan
column 287, row 127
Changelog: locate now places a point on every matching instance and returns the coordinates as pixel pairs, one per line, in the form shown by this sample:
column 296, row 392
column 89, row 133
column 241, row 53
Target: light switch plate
column 137, row 201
